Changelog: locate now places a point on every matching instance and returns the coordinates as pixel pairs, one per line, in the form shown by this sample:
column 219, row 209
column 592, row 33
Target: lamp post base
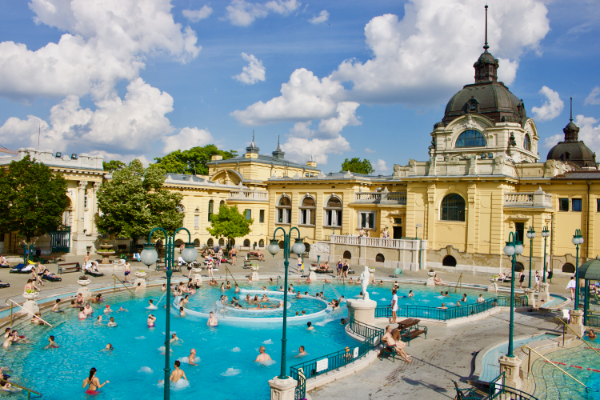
column 282, row 389
column 511, row 367
column 362, row 310
column 576, row 321
column 544, row 292
column 530, row 298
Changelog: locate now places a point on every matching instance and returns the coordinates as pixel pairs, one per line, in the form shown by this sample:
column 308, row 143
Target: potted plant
column 431, row 272
column 372, row 270
column 30, row 294
column 84, row 280
column 140, row 273
column 493, row 278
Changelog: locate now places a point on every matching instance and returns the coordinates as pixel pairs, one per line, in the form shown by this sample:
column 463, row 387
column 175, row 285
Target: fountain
column 105, row 252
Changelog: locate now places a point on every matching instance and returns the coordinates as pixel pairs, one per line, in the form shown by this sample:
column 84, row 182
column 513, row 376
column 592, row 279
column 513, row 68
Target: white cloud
column 370, row 151
column 186, row 139
column 589, row 132
column 593, row 97
column 553, row 140
column 319, row 19
column 106, row 42
column 300, row 149
column 243, row 13
column 551, row 108
column 126, row 125
column 253, row 72
column 126, row 158
column 197, row 15
column 381, row 167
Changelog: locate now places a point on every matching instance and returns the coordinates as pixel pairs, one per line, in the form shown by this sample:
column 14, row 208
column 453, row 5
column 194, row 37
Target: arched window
column 527, row 143
column 347, row 255
column 284, row 210
column 333, row 212
column 211, row 205
column 221, row 242
column 307, row 211
column 568, row 268
column 210, row 242
column 519, row 267
column 470, row 138
column 449, row 261
column 261, row 243
column 221, row 203
column 453, row 208
column 379, row 258
column 178, row 242
column 196, row 242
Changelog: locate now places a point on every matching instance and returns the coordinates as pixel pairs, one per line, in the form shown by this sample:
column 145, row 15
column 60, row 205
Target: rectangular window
column 598, row 205
column 563, row 204
column 367, row 220
column 398, row 221
column 196, row 221
column 576, row 204
column 520, row 228
column 248, row 214
column 261, row 216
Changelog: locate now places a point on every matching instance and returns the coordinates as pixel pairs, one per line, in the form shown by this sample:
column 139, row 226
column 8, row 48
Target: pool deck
column 447, row 354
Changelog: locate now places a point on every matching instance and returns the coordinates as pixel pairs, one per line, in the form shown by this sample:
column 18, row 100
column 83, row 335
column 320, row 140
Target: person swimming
column 82, row 315
column 51, row 343
column 212, row 320
column 93, row 382
column 262, row 357
column 121, row 309
column 111, row 323
column 151, row 320
column 175, row 339
column 309, row 326
column 98, row 320
column 411, row 293
column 151, row 305
column 107, row 310
column 108, row 347
column 56, row 307
column 192, row 358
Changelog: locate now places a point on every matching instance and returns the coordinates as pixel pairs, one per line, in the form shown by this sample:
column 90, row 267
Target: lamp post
column 545, row 235
column 512, row 249
column 530, row 235
column 577, row 240
column 149, row 256
column 299, row 249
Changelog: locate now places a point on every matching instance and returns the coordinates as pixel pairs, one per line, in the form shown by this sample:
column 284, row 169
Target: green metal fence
column 498, row 389
column 333, row 361
column 450, row 313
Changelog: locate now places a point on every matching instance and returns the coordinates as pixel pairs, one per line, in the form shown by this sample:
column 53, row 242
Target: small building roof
column 262, row 159
column 589, row 270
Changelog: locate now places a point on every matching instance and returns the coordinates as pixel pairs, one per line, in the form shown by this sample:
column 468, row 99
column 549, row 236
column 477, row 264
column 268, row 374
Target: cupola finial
column 571, row 115
column 485, row 46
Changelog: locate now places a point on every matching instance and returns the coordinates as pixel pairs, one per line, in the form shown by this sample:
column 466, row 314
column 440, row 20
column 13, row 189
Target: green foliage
column 357, row 165
column 134, row 202
column 113, row 165
column 32, row 198
column 194, row 159
column 229, row 223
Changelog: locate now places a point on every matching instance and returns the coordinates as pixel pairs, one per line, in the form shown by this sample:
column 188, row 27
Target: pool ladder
column 554, row 365
column 115, row 279
column 29, row 391
column 566, row 326
column 12, row 303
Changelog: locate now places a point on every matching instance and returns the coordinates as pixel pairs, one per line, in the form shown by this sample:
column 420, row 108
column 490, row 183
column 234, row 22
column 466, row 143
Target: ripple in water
column 236, row 350
column 179, row 385
column 231, row 372
column 268, row 341
column 141, row 337
column 146, row 370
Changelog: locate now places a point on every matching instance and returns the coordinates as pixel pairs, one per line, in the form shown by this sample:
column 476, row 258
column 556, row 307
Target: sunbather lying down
column 393, row 342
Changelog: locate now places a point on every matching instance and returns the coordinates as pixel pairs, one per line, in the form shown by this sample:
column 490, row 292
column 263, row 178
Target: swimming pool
column 491, row 366
column 581, row 362
column 226, row 354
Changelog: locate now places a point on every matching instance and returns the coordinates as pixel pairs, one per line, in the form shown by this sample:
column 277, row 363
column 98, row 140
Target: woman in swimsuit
column 151, row 319
column 79, row 300
column 93, row 382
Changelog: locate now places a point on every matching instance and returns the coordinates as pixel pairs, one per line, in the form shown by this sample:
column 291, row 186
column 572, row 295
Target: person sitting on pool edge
column 438, row 281
column 262, row 357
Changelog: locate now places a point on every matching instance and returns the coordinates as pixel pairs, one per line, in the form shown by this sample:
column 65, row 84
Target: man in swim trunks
column 93, row 382
column 56, row 306
column 126, row 272
column 233, row 254
column 52, row 344
column 395, row 345
column 177, row 374
column 301, row 352
column 262, row 357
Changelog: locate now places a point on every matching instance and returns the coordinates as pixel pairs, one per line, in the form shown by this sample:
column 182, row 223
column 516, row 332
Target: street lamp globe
column 149, row 254
column 189, row 254
column 545, row 232
column 299, row 248
column 274, row 247
column 518, row 248
column 509, row 249
column 581, row 240
column 530, row 234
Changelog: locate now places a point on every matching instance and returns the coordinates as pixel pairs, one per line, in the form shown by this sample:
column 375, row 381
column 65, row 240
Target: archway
column 519, row 267
column 449, row 261
column 261, row 243
column 568, row 268
column 347, row 255
column 196, row 242
column 210, row 242
column 221, row 242
column 379, row 258
column 247, row 243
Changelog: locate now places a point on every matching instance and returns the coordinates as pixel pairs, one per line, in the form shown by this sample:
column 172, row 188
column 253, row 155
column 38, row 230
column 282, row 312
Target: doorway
column 397, row 232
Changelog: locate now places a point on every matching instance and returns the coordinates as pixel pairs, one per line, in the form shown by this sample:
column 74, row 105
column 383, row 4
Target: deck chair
column 397, row 272
column 465, row 394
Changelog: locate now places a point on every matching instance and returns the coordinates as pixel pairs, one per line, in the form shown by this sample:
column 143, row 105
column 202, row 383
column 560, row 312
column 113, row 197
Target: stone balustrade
column 249, row 195
column 537, row 199
column 380, row 197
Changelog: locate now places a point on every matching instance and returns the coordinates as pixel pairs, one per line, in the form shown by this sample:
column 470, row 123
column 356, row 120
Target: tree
column 192, row 161
column 229, row 223
column 134, row 202
column 357, row 165
column 32, row 199
column 113, row 165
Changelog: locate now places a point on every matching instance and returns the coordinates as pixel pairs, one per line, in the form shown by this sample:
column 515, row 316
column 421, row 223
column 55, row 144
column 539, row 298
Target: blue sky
column 132, row 78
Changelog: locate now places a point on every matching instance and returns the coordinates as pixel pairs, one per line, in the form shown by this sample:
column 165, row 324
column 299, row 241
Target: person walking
column 571, row 286
column 233, row 254
column 521, row 279
column 394, row 306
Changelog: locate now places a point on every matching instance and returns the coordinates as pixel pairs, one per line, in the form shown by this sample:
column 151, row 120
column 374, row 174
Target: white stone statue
column 364, row 282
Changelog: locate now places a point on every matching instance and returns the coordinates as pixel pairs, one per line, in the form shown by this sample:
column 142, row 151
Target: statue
column 364, row 282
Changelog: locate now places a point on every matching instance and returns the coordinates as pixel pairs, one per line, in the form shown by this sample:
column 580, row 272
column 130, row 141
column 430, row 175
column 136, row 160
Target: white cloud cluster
column 186, row 138
column 417, row 60
column 319, row 19
column 106, row 42
column 243, row 13
column 551, row 108
column 381, row 167
column 593, row 97
column 197, row 15
column 589, row 131
column 253, row 72
column 370, row 151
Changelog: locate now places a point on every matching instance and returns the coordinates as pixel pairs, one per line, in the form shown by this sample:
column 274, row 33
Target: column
column 94, row 206
column 80, row 206
column 471, row 237
column 431, row 216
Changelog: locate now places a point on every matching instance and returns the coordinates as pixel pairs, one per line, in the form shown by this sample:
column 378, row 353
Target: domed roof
column 572, row 149
column 489, row 98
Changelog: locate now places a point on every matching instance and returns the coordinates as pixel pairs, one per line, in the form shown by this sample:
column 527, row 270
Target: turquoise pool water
column 226, row 353
column 552, row 384
column 490, row 364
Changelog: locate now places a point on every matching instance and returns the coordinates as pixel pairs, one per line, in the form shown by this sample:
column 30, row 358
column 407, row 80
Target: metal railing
column 115, row 279
column 554, row 365
column 24, row 309
column 29, row 391
column 566, row 326
column 450, row 313
column 498, row 389
column 333, row 361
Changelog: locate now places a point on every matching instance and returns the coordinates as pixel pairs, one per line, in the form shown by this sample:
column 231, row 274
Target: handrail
column 24, row 309
column 115, row 279
column 25, row 388
column 554, row 365
column 579, row 336
column 227, row 269
column 459, row 281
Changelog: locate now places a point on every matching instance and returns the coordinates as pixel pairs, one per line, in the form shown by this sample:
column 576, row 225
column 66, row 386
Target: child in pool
column 151, row 320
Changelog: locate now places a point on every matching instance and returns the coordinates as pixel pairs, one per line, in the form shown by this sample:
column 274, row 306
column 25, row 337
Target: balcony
column 537, row 199
column 383, row 197
column 248, row 195
column 400, row 244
